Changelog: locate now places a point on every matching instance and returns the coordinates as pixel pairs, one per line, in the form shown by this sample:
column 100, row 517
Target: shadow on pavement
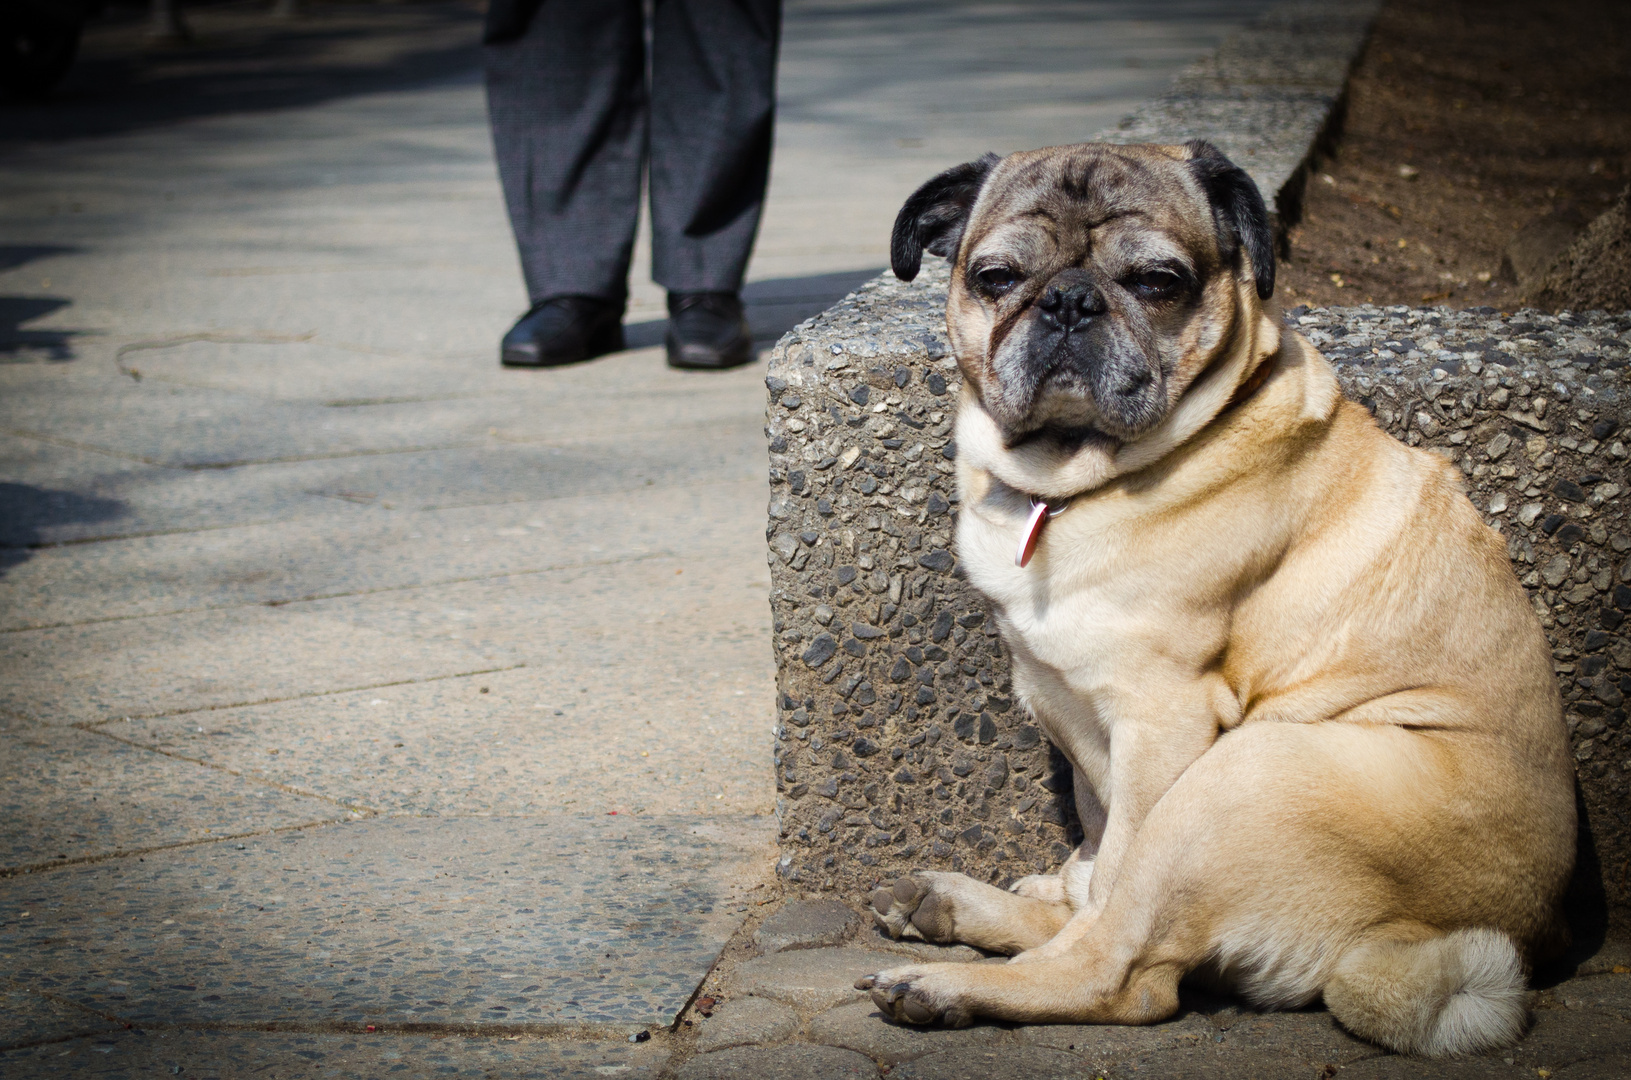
column 25, row 346
column 26, row 512
column 773, row 307
column 19, row 345
column 242, row 59
column 14, row 255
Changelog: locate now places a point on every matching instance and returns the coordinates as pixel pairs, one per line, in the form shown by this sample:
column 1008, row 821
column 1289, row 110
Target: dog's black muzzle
column 1084, row 365
column 1070, row 303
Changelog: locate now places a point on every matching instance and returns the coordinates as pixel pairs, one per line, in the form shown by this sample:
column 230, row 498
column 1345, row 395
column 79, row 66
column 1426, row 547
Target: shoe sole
column 606, row 340
column 703, row 359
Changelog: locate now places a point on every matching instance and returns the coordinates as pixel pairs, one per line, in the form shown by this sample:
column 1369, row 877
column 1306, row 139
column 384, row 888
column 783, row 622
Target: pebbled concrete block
column 779, row 1063
column 496, row 924
column 810, row 979
column 805, row 924
column 746, row 1021
column 862, row 1028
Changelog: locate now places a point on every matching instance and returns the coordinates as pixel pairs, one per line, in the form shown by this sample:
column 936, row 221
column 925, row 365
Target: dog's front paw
column 893, row 907
column 913, row 908
column 911, row 996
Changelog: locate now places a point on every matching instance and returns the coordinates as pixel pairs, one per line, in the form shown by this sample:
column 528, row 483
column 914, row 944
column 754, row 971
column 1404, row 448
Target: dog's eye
column 1156, row 282
column 996, row 280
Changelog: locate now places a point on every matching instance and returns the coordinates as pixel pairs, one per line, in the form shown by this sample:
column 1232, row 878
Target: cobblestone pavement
column 781, row 1005
column 366, row 709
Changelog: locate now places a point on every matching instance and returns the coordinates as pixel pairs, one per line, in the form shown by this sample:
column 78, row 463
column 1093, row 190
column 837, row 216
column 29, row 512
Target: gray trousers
column 577, row 112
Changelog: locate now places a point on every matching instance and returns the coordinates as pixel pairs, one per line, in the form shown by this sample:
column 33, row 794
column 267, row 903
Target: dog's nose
column 1064, row 308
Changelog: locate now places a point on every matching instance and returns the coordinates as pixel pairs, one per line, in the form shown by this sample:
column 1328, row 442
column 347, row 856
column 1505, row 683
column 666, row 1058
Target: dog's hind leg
column 1261, row 862
column 936, row 906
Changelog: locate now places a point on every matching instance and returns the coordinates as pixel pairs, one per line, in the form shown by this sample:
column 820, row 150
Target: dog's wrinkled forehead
column 1064, row 198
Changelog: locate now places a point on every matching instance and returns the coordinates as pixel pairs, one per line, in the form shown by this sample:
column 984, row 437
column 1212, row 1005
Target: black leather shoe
column 707, row 330
column 563, row 330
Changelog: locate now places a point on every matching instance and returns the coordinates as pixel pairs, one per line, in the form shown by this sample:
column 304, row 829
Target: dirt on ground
column 1595, row 272
column 1482, row 138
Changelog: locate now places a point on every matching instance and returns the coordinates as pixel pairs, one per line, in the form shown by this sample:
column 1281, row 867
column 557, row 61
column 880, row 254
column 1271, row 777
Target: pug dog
column 1318, row 744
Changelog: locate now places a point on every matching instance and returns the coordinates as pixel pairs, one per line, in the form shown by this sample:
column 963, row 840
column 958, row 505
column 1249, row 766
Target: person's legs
column 567, row 102
column 713, row 102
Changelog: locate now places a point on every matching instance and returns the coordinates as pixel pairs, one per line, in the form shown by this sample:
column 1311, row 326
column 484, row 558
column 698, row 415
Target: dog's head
column 1091, row 284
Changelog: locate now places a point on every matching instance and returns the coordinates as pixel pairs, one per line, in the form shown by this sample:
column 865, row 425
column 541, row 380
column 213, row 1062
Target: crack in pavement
column 89, row 725
column 108, row 856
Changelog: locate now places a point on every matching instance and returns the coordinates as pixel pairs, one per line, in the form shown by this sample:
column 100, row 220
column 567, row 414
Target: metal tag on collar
column 1041, row 513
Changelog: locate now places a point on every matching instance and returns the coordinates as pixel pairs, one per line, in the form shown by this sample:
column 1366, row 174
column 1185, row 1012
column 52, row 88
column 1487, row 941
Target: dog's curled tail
column 1461, row 993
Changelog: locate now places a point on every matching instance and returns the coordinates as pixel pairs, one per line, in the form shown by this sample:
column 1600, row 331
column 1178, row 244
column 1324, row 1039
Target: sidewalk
column 348, row 679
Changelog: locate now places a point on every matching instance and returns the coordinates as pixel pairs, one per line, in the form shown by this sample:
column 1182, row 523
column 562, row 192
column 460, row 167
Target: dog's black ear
column 934, row 217
column 1237, row 206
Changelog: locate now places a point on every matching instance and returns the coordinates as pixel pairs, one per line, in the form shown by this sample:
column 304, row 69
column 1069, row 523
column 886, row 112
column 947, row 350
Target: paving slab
column 1391, row 1067
column 862, row 1028
column 222, row 1055
column 478, row 924
column 1007, row 1063
column 1207, row 1062
column 1311, row 1034
column 30, row 1019
column 932, row 952
column 233, row 422
column 806, row 924
column 1583, row 1019
column 542, row 739
column 369, row 547
column 778, row 1063
column 59, row 494
column 810, row 979
column 744, row 1022
column 318, row 370
column 68, row 794
column 1612, row 1067
column 211, row 659
column 184, row 427
column 56, row 494
column 1607, row 993
column 619, row 618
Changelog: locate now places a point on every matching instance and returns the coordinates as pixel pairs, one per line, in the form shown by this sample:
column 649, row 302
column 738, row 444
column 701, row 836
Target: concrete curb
column 1271, row 98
